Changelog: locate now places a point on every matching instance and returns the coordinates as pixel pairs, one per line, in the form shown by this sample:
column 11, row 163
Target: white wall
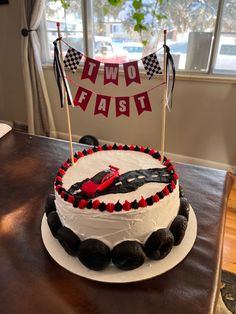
column 201, row 124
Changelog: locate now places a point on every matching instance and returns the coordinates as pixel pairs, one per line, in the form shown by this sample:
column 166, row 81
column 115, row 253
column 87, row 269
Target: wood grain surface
column 229, row 249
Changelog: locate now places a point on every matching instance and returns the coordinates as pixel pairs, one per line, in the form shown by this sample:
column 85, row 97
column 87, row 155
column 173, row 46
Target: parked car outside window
column 226, row 57
column 134, row 50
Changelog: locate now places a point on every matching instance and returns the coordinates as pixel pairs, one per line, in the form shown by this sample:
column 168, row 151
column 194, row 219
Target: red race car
column 102, row 180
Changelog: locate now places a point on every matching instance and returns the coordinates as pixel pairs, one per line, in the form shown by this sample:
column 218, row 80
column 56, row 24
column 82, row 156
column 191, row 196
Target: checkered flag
column 151, row 65
column 72, row 59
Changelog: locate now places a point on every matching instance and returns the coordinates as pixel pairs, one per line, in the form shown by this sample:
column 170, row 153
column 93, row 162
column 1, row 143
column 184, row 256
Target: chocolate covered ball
column 128, row 255
column 181, row 191
column 159, row 244
column 178, row 228
column 69, row 240
column 50, row 204
column 94, row 254
column 54, row 222
column 184, row 207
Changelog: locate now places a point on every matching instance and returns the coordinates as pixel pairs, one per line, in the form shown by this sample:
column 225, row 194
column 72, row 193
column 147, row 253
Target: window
column 70, row 26
column 201, row 34
column 226, row 49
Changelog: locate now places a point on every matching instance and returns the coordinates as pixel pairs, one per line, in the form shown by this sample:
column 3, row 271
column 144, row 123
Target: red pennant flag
column 90, row 70
column 131, row 72
column 102, row 105
column 142, row 102
column 82, row 97
column 111, row 73
column 122, row 106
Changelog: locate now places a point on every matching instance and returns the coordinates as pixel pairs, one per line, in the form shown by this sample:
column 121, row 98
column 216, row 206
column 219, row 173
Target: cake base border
column 112, row 274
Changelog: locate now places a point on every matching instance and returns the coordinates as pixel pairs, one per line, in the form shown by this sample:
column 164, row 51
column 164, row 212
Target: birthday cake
column 117, row 206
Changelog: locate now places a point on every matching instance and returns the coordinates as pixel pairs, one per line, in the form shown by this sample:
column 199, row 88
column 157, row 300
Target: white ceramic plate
column 112, row 274
column 4, row 129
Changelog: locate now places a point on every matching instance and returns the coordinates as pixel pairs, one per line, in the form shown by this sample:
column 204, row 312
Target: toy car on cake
column 102, row 180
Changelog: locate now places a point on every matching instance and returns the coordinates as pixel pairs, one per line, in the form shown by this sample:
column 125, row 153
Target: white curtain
column 39, row 112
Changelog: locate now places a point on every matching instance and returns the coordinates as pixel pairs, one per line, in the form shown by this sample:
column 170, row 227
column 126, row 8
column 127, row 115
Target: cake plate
column 112, row 274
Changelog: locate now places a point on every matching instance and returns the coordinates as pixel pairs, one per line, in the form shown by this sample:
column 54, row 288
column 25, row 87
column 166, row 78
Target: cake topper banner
column 170, row 70
column 122, row 106
column 131, row 73
column 90, row 70
column 60, row 77
column 151, row 65
column 111, row 75
column 142, row 102
column 102, row 103
column 111, row 70
column 82, row 97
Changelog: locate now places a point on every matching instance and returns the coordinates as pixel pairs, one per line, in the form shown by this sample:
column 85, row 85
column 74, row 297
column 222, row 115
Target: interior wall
column 201, row 124
column 12, row 98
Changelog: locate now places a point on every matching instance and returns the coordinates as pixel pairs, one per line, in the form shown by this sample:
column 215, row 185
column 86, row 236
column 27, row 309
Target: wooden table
column 30, row 280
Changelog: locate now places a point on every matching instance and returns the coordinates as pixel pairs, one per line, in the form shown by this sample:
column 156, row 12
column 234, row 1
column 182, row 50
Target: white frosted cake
column 117, row 205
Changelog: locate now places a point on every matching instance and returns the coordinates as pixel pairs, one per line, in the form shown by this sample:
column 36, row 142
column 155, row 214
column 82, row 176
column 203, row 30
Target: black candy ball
column 178, row 228
column 128, row 255
column 181, row 191
column 159, row 244
column 54, row 222
column 69, row 240
column 94, row 254
column 50, row 204
column 184, row 207
column 89, row 140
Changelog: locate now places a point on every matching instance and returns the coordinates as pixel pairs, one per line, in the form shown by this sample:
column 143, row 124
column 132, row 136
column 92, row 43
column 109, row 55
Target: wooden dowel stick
column 164, row 101
column 65, row 100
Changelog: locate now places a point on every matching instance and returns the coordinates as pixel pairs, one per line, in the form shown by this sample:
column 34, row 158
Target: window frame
column 211, row 73
column 216, row 39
